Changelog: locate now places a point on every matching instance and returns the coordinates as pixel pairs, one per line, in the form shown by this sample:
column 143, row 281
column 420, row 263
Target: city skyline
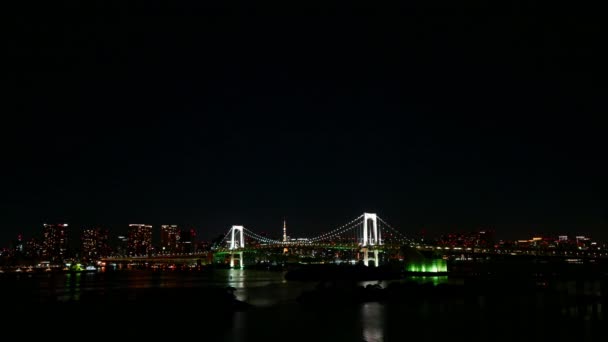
column 367, row 238
column 434, row 123
column 340, row 171
column 160, row 239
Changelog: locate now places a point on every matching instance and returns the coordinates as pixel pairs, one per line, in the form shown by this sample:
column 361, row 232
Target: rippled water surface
column 276, row 315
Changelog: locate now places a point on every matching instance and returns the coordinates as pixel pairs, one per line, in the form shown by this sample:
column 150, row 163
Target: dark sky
column 437, row 115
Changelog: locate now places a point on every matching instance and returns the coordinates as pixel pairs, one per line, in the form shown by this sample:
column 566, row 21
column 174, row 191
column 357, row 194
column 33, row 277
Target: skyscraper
column 187, row 241
column 122, row 245
column 55, row 241
column 169, row 238
column 95, row 243
column 140, row 239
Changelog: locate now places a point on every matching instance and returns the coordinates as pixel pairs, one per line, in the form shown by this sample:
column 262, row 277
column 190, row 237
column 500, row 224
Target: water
column 257, row 287
column 574, row 311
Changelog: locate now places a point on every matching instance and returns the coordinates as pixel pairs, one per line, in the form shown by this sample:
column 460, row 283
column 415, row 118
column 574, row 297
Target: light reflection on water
column 263, row 289
column 259, row 288
column 72, row 287
column 274, row 300
column 373, row 321
column 435, row 280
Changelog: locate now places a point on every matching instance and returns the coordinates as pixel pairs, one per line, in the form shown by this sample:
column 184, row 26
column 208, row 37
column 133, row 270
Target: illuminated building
column 583, row 242
column 34, row 248
column 95, row 243
column 55, row 241
column 478, row 239
column 140, row 239
column 537, row 242
column 169, row 238
column 122, row 245
column 19, row 245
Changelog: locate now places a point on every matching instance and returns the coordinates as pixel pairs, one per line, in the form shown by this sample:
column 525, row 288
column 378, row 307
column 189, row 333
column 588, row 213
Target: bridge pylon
column 237, row 239
column 371, row 237
column 239, row 258
column 366, row 257
column 371, row 233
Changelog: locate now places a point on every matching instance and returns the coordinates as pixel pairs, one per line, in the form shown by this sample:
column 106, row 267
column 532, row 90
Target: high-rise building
column 140, row 239
column 187, row 241
column 19, row 245
column 95, row 243
column 203, row 246
column 55, row 241
column 122, row 245
column 34, row 248
column 169, row 238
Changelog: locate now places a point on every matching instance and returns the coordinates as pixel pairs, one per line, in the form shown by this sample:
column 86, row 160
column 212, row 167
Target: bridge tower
column 237, row 241
column 371, row 237
column 371, row 234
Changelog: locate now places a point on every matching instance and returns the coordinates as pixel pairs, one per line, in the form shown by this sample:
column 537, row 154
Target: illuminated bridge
column 368, row 235
column 365, row 237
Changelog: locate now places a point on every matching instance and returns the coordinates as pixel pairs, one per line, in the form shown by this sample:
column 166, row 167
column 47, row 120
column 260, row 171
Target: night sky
column 436, row 117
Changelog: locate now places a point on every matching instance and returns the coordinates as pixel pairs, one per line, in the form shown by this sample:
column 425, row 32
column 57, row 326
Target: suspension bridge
column 368, row 235
column 364, row 238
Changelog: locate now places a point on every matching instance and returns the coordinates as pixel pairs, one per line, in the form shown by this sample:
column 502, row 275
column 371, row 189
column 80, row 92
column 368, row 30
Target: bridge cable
column 337, row 231
column 400, row 235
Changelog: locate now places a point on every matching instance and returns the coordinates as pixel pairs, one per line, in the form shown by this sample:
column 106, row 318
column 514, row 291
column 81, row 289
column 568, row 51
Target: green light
column 427, row 266
column 435, row 280
column 76, row 267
